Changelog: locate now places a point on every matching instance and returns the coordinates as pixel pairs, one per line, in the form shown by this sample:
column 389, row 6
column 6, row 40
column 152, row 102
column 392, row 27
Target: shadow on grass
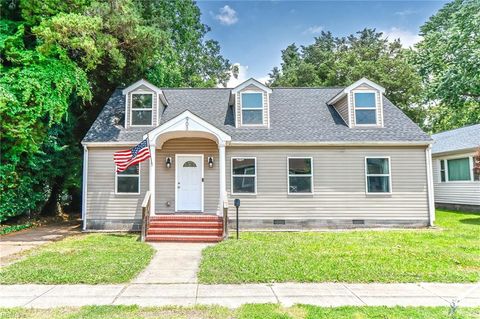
column 471, row 221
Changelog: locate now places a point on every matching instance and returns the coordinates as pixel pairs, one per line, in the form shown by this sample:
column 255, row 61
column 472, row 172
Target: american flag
column 124, row 159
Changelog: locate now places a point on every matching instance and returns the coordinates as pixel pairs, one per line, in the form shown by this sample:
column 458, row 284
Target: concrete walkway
column 11, row 245
column 172, row 263
column 287, row 294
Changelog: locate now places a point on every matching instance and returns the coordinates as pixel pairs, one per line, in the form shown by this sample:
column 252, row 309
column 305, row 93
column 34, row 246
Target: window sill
column 126, row 194
column 379, row 194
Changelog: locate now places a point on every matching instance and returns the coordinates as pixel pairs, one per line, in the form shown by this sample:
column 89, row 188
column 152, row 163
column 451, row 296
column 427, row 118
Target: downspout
column 431, row 200
column 84, row 187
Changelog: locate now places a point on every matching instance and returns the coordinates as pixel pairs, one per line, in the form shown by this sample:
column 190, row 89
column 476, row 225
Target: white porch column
column 151, row 179
column 222, row 184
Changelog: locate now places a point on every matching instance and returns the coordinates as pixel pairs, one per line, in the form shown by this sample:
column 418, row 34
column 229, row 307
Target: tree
column 35, row 93
column 61, row 60
column 332, row 61
column 448, row 60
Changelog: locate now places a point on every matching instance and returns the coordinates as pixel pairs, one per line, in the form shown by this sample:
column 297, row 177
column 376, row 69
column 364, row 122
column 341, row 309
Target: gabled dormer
column 360, row 104
column 143, row 104
column 252, row 104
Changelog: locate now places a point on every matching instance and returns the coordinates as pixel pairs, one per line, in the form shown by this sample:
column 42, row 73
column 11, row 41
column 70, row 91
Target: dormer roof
column 351, row 87
column 149, row 85
column 249, row 82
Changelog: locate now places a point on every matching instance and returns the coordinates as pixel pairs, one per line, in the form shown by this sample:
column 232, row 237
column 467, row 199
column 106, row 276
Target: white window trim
column 252, row 109
column 355, row 108
column 470, row 162
column 304, row 175
column 141, row 109
column 129, row 175
column 389, row 176
column 440, row 171
column 232, row 175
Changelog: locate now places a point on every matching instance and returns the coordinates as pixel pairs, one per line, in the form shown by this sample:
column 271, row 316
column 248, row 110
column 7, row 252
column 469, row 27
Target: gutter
column 340, row 143
column 84, row 187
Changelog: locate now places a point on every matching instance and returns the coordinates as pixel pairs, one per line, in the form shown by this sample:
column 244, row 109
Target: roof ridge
column 455, row 129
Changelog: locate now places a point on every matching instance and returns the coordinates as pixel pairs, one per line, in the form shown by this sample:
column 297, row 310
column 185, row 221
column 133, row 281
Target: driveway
column 11, row 245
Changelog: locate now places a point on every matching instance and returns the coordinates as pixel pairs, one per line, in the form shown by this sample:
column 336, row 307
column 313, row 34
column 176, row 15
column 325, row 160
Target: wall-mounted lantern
column 210, row 162
column 168, row 162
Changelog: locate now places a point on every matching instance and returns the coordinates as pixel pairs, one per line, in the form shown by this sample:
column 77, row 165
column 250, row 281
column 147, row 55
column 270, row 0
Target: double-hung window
column 456, row 170
column 128, row 181
column 300, row 175
column 244, row 175
column 252, row 108
column 142, row 109
column 365, row 108
column 378, row 175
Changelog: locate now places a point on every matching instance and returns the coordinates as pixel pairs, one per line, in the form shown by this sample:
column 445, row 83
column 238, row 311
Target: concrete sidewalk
column 287, row 294
column 172, row 264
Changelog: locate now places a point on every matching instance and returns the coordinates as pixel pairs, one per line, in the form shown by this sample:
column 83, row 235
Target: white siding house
column 456, row 172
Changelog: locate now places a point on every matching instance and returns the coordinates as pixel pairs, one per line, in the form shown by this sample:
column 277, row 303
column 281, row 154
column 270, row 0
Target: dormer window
column 360, row 104
column 252, row 108
column 142, row 109
column 365, row 108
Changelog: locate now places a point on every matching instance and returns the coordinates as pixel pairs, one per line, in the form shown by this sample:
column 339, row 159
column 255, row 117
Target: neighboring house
column 297, row 158
column 456, row 181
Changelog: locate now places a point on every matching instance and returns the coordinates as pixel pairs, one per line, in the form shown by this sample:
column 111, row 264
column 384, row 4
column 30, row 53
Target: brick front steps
column 185, row 228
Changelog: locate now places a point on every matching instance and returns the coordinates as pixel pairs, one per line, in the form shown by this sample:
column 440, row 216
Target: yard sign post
column 236, row 202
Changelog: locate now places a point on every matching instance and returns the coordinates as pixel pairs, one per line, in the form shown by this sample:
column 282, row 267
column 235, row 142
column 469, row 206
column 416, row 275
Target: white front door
column 189, row 183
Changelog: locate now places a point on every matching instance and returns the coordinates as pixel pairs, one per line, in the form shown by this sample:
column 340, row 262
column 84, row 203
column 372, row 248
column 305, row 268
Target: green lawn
column 448, row 254
column 89, row 259
column 269, row 311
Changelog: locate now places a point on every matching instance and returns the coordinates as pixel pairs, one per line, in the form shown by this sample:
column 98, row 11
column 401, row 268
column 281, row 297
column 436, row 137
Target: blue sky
column 252, row 33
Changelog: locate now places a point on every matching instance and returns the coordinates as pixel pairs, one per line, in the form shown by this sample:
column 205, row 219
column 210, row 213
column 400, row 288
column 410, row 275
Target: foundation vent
column 279, row 221
column 358, row 222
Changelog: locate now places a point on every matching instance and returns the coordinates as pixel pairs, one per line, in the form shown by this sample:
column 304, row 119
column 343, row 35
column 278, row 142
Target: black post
column 236, row 202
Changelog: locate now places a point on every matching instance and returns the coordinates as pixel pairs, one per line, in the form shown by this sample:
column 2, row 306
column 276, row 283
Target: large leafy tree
column 332, row 61
column 60, row 61
column 448, row 60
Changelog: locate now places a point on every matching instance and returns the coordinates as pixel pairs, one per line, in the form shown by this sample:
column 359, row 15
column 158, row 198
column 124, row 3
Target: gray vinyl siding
column 238, row 103
column 463, row 193
column 142, row 88
column 342, row 108
column 378, row 100
column 102, row 202
column 339, row 184
column 165, row 185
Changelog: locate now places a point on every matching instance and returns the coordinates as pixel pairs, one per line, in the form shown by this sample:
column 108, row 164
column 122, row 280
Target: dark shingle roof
column 463, row 138
column 296, row 115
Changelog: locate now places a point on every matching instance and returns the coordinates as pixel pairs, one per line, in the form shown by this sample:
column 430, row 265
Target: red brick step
column 186, row 231
column 184, row 238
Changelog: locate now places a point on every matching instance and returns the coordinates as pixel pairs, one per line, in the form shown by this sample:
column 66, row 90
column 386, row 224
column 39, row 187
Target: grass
column 260, row 311
column 448, row 254
column 89, row 259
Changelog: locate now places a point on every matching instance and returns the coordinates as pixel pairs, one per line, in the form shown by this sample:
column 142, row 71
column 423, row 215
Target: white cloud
column 407, row 38
column 314, row 29
column 243, row 75
column 227, row 16
column 406, row 12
